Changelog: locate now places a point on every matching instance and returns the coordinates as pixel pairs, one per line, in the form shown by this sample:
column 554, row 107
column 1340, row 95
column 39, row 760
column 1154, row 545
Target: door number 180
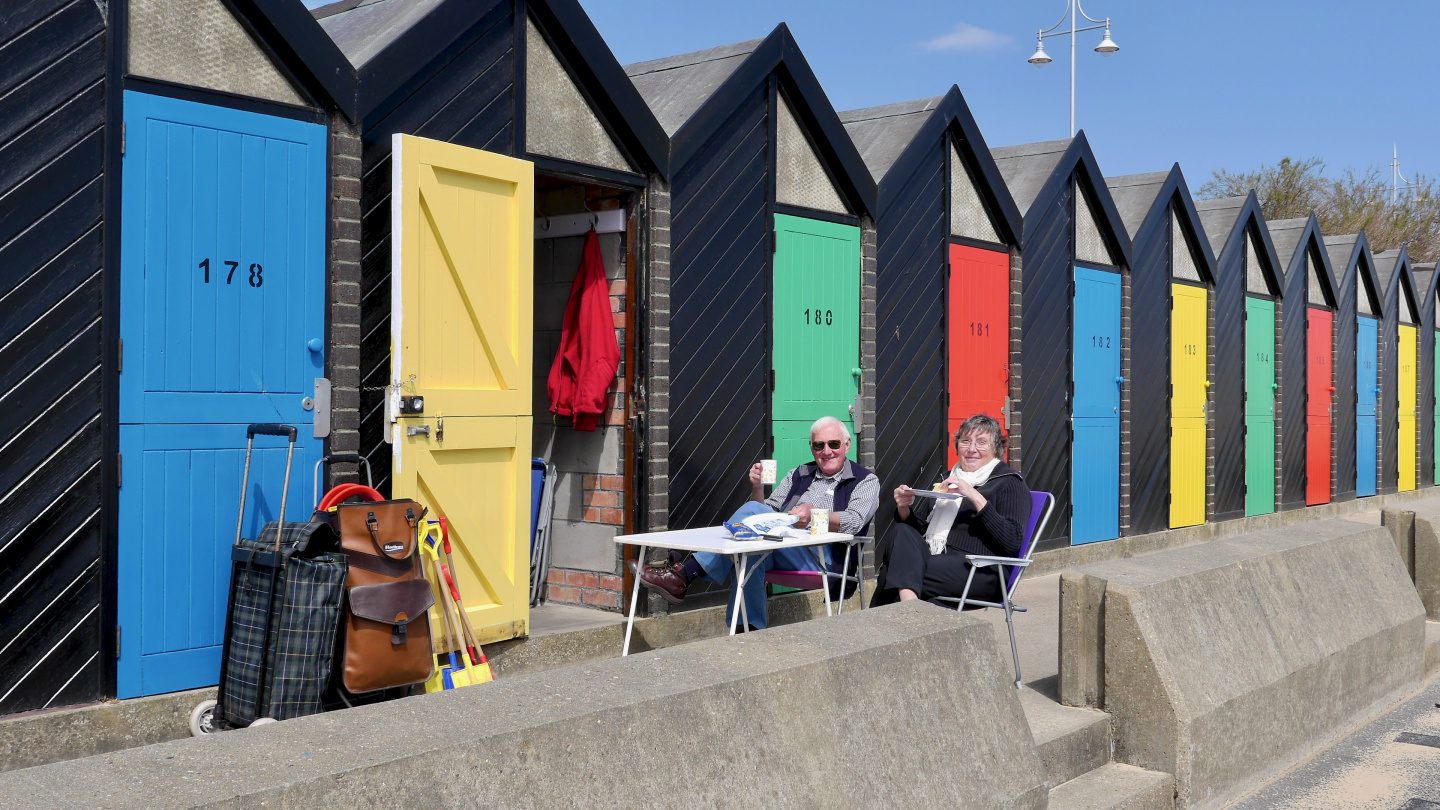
column 256, row 277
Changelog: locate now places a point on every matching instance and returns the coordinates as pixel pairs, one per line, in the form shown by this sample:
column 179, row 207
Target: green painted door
column 1435, row 437
column 816, row 349
column 1259, row 406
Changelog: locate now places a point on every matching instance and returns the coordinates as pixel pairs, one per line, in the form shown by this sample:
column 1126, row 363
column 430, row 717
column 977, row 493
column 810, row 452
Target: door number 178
column 255, row 279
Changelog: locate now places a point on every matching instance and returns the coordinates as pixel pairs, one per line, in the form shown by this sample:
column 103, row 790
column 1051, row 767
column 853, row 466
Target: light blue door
column 222, row 318
column 1095, row 411
column 1366, row 387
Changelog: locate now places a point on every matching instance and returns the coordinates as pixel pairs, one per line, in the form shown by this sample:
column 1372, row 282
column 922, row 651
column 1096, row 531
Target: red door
column 1319, row 387
column 979, row 335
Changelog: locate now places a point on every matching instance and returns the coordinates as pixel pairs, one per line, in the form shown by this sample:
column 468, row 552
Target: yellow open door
column 461, row 339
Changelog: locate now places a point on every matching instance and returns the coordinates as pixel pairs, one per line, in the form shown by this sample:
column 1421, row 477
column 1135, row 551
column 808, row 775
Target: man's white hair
column 829, row 421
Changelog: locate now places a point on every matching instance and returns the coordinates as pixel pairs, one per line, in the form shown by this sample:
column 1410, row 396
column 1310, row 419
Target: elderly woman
column 924, row 553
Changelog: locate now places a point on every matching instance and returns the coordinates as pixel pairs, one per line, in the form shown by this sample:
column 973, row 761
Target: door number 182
column 256, row 277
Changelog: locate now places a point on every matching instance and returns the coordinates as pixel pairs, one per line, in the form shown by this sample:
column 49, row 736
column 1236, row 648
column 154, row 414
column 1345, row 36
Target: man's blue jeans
column 719, row 569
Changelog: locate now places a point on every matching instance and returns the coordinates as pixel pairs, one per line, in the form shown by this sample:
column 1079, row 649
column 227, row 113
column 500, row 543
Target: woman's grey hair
column 982, row 423
column 826, row 421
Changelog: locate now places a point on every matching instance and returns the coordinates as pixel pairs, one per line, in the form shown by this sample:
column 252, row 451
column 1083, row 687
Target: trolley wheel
column 263, row 721
column 202, row 719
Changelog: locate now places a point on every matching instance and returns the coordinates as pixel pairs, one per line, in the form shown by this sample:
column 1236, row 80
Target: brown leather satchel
column 387, row 619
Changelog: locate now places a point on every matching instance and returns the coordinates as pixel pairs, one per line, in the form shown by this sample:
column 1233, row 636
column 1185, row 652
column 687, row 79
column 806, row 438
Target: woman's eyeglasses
column 976, row 443
column 833, row 444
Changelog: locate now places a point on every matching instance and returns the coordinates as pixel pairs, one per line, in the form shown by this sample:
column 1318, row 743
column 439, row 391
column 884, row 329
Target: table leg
column 737, row 563
column 844, row 579
column 824, row 576
column 634, row 599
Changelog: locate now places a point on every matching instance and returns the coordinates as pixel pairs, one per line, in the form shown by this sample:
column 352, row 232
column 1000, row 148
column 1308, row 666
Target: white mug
column 767, row 471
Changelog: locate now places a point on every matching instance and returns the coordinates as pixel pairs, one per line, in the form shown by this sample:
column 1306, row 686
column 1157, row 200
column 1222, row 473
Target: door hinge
column 117, row 641
column 772, row 379
column 119, row 471
column 774, row 241
column 120, row 356
column 122, row 137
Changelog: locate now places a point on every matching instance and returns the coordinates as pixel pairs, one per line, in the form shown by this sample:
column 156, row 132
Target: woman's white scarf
column 942, row 517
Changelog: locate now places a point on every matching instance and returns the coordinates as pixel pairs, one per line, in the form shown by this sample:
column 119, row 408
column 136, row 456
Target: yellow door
column 1407, row 407
column 461, row 338
column 1187, row 405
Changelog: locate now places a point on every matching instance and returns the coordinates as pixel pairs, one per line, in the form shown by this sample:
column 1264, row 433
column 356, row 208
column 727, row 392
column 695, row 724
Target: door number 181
column 256, row 277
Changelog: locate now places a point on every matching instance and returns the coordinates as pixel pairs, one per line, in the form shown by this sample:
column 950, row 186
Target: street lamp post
column 1106, row 47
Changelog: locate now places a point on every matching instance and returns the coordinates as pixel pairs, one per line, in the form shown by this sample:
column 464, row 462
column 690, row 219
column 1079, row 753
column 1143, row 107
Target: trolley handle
column 271, row 429
column 342, row 458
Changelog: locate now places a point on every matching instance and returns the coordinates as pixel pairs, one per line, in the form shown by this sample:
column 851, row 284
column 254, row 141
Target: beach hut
column 1172, row 338
column 494, row 137
column 946, row 233
column 1424, row 275
column 1248, row 297
column 1399, row 364
column 1307, row 351
column 1074, row 280
column 1357, row 381
column 771, row 273
column 164, row 239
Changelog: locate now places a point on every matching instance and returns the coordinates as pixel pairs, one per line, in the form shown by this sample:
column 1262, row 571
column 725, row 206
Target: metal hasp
column 222, row 286
column 1095, row 414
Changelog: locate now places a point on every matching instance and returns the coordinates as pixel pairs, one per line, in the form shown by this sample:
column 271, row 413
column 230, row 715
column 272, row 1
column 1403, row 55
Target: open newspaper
column 766, row 525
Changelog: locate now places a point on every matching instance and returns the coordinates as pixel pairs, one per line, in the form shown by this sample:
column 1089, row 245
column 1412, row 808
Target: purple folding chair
column 1041, row 505
column 838, row 584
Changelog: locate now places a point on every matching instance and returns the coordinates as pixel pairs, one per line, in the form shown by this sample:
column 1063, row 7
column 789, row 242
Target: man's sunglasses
column 833, row 443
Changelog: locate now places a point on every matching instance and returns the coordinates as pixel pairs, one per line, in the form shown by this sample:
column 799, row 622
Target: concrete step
column 1070, row 741
column 1116, row 787
column 1432, row 648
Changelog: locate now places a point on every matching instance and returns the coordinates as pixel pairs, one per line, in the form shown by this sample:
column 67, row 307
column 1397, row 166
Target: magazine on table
column 766, row 526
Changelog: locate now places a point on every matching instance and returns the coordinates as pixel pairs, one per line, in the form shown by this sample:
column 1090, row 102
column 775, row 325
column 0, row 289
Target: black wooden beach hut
column 1306, row 389
column 1424, row 275
column 115, row 119
column 1172, row 338
column 1357, row 440
column 1074, row 277
column 1246, row 268
column 530, row 80
column 762, row 174
column 947, row 232
column 1399, row 337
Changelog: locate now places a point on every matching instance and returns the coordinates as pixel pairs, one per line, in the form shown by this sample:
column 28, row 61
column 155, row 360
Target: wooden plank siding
column 1151, row 382
column 52, row 115
column 466, row 97
column 1228, row 395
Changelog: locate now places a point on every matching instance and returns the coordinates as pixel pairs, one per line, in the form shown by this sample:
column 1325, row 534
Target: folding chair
column 1042, row 504
column 839, row 585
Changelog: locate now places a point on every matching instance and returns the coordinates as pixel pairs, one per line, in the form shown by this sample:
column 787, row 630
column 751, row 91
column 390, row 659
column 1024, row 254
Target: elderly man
column 831, row 481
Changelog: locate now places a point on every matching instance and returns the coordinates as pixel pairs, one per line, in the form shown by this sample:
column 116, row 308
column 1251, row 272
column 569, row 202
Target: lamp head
column 1107, row 45
column 1040, row 59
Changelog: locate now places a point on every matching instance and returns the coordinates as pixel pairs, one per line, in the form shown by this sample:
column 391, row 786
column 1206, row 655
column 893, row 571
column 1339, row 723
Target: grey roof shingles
column 363, row 30
column 1134, row 196
column 676, row 86
column 1386, row 263
column 1027, row 166
column 1218, row 218
column 1341, row 248
column 1285, row 235
column 882, row 133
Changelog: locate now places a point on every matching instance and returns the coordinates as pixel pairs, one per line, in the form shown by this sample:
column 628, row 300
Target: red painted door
column 1319, row 387
column 979, row 336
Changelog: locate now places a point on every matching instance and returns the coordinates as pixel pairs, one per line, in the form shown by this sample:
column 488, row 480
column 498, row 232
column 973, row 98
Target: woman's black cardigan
column 998, row 530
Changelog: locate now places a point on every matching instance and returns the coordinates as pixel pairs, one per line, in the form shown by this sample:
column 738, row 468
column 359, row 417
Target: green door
column 816, row 350
column 1435, row 437
column 1259, row 406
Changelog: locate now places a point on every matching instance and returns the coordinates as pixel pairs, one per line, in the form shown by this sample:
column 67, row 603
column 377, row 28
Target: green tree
column 1294, row 187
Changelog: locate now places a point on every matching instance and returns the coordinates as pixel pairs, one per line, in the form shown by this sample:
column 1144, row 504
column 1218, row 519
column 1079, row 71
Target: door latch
column 418, row 430
column 440, row 429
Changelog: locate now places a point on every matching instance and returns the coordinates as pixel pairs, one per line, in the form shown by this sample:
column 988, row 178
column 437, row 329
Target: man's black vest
column 805, row 475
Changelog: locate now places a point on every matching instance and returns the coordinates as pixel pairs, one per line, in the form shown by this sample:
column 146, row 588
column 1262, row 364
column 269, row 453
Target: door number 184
column 256, row 277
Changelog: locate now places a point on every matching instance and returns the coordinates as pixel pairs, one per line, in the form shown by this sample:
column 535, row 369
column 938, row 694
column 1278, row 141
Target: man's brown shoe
column 665, row 579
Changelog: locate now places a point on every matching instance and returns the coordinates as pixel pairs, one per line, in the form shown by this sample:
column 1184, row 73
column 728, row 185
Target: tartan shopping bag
column 299, row 632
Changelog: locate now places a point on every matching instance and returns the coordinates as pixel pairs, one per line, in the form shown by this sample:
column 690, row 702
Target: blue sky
column 1242, row 84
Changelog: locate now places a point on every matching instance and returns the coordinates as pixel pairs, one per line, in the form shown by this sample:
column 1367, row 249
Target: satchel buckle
column 410, row 516
column 398, row 637
column 374, row 526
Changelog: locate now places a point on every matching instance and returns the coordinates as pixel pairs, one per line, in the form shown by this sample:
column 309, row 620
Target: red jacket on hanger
column 589, row 355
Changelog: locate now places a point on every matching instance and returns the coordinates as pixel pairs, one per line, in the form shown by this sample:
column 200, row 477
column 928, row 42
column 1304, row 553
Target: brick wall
column 1016, row 420
column 1280, row 425
column 343, row 358
column 1125, row 372
column 865, row 420
column 656, row 290
column 1210, row 423
column 584, row 588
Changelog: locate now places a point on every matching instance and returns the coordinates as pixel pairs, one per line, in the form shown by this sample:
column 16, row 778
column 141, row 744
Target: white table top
column 717, row 540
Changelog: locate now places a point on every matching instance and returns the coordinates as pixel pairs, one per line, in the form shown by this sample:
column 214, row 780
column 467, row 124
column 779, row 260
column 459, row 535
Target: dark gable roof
column 1292, row 237
column 1424, row 275
column 288, row 29
column 893, row 138
column 692, row 95
column 390, row 41
column 1038, row 172
column 1142, row 200
column 1393, row 269
column 1226, row 221
column 1350, row 253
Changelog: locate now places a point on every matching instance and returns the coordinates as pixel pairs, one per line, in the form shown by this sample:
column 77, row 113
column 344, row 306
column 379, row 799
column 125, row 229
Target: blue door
column 222, row 317
column 1095, row 411
column 1366, row 387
